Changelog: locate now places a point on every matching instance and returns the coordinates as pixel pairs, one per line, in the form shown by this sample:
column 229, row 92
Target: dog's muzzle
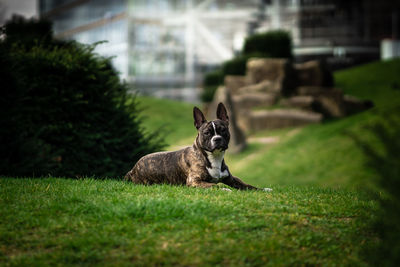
column 218, row 142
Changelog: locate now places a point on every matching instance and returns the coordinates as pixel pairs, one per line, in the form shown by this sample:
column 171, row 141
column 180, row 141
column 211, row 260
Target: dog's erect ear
column 199, row 118
column 221, row 113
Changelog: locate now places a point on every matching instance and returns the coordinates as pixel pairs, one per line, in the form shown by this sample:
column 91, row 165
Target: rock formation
column 275, row 93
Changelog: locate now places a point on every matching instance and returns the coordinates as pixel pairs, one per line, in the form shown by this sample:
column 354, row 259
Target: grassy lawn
column 62, row 222
column 314, row 216
column 318, row 155
column 172, row 118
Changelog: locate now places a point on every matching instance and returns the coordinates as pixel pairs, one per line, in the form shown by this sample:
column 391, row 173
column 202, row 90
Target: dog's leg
column 201, row 184
column 196, row 181
column 238, row 184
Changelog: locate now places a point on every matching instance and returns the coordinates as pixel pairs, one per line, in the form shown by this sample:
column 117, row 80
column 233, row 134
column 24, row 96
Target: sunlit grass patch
column 60, row 221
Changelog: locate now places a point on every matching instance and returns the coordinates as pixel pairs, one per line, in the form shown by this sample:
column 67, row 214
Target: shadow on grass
column 383, row 158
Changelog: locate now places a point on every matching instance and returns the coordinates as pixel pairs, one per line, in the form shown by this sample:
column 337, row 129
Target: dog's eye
column 207, row 133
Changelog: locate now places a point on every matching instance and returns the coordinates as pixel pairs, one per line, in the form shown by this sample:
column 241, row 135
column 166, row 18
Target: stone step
column 251, row 100
column 279, row 118
column 300, row 102
column 235, row 83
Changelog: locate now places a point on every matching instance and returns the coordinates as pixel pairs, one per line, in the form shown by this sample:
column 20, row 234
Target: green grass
column 67, row 222
column 321, row 155
column 172, row 118
column 314, row 216
column 324, row 154
column 378, row 81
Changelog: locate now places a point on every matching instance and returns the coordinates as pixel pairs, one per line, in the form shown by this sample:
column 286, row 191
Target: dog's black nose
column 217, row 139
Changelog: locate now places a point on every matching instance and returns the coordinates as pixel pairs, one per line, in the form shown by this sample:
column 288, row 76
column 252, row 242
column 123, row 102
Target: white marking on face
column 213, row 124
column 216, row 159
column 215, row 136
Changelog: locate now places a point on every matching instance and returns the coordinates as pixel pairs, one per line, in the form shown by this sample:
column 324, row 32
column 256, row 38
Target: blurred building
column 163, row 46
column 340, row 31
column 90, row 22
column 8, row 8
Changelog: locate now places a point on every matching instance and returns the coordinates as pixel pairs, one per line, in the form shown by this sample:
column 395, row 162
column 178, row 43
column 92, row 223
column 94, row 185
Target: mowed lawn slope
column 172, row 119
column 63, row 222
column 323, row 155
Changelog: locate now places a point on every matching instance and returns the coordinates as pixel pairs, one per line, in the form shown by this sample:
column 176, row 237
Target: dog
column 200, row 165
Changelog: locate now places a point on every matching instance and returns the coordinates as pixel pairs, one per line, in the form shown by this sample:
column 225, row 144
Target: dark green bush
column 213, row 78
column 208, row 93
column 235, row 66
column 383, row 158
column 64, row 112
column 211, row 82
column 275, row 44
column 29, row 32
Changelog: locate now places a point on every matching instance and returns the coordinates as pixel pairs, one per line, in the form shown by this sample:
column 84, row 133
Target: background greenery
column 60, row 221
column 316, row 214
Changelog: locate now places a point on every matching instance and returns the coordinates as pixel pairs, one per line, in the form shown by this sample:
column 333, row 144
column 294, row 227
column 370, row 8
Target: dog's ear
column 221, row 113
column 199, row 118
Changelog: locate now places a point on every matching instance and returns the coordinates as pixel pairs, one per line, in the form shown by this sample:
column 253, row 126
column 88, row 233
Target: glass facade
column 48, row 5
column 91, row 22
column 156, row 44
column 115, row 43
column 171, row 40
column 156, row 50
column 86, row 13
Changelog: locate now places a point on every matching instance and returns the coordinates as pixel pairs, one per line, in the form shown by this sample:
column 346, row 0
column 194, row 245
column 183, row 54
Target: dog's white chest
column 215, row 172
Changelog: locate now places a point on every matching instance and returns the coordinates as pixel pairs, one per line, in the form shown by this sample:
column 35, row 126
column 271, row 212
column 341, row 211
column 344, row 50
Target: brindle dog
column 200, row 165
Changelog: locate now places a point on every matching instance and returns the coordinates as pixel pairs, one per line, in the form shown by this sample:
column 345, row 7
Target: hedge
column 64, row 111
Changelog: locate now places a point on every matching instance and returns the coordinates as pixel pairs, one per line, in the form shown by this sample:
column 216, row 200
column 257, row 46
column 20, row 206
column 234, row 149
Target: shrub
column 383, row 157
column 235, row 66
column 208, row 93
column 64, row 112
column 211, row 82
column 275, row 44
column 29, row 32
column 213, row 78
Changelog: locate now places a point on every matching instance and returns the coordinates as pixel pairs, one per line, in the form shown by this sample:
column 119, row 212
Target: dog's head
column 212, row 135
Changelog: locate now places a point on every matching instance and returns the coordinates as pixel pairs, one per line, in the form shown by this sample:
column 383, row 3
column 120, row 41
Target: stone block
column 354, row 105
column 280, row 118
column 262, row 87
column 313, row 73
column 328, row 101
column 250, row 100
column 277, row 70
column 300, row 102
column 235, row 83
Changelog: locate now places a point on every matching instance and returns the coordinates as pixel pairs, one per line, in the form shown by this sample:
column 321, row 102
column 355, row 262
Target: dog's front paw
column 226, row 189
column 267, row 189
